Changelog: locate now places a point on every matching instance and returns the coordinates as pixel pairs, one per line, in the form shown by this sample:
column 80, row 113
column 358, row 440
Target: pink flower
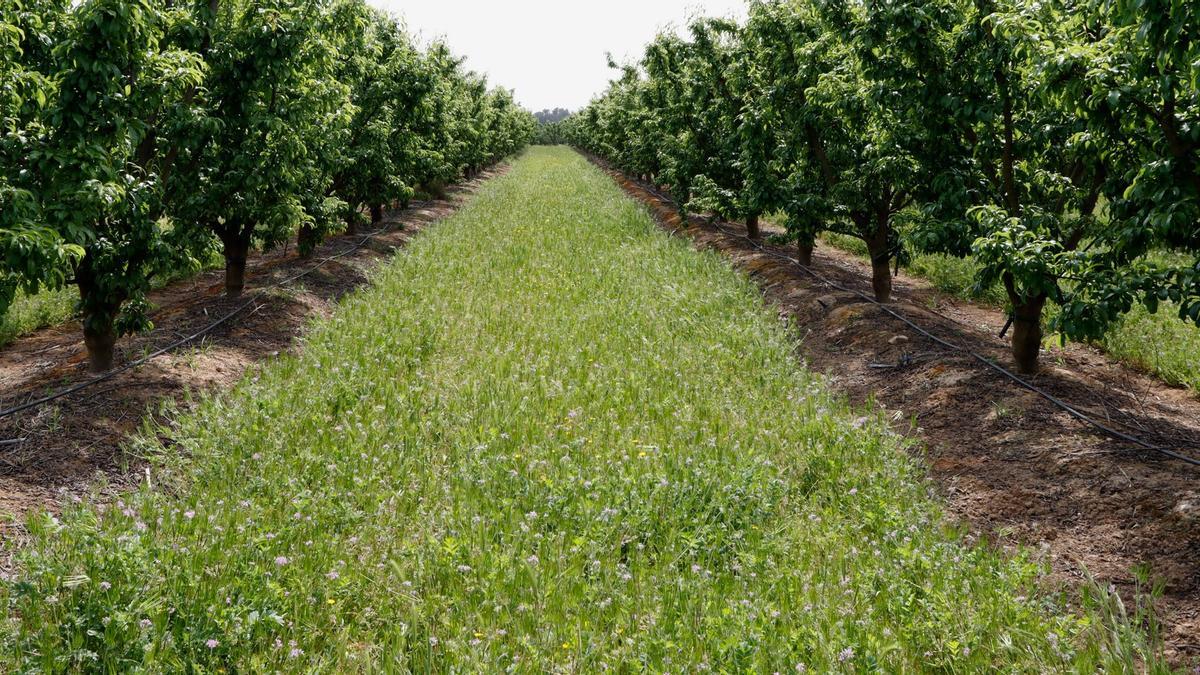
column 189, row 514
column 211, row 644
column 281, row 561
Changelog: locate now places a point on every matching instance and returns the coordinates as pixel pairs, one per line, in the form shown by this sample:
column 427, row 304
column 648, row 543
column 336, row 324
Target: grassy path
column 552, row 439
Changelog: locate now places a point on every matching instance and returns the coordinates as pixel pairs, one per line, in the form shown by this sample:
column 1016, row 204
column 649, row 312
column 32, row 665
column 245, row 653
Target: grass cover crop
column 550, row 438
column 28, row 313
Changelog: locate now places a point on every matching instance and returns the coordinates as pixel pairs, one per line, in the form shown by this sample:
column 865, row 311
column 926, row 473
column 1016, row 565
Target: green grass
column 28, row 313
column 549, row 438
column 1159, row 343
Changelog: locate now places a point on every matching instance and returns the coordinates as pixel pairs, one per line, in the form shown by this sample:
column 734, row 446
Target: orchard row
column 1056, row 141
column 139, row 137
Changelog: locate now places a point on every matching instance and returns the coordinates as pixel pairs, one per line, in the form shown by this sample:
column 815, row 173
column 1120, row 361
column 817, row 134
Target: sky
column 550, row 52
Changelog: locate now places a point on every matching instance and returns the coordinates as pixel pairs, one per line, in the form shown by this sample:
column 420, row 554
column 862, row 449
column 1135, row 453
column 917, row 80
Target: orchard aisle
column 548, row 438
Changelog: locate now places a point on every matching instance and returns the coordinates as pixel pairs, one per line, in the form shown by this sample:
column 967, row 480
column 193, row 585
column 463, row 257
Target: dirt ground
column 67, row 447
column 1010, row 464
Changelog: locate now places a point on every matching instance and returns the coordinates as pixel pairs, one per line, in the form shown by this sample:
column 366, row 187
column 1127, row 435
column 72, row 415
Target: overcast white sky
column 550, row 52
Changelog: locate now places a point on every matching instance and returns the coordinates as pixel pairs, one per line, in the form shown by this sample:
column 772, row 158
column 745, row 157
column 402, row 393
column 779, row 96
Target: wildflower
column 189, row 514
column 433, row 641
column 104, row 585
column 295, row 652
column 332, row 575
column 145, row 623
column 532, row 560
column 281, row 560
column 846, row 654
column 211, row 644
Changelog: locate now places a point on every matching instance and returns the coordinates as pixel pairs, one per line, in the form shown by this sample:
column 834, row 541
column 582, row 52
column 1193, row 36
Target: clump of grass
column 1160, row 343
column 549, row 438
column 956, row 276
column 28, row 313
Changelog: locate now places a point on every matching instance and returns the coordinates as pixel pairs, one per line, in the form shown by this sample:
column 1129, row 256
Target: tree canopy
column 1057, row 142
column 137, row 137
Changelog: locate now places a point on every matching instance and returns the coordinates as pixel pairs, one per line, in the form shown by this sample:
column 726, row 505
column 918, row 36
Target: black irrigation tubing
column 189, row 338
column 1070, row 410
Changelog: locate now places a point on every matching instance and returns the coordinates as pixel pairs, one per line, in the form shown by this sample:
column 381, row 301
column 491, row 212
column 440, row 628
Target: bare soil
column 1012, row 466
column 70, row 446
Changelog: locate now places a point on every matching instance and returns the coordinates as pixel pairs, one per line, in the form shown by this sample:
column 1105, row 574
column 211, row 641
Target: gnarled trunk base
column 100, row 339
column 804, row 251
column 881, row 278
column 307, row 241
column 1027, row 335
column 752, row 228
column 236, row 252
column 99, row 317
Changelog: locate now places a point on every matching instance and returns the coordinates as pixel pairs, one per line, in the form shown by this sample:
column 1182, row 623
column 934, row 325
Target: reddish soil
column 72, row 445
column 1013, row 466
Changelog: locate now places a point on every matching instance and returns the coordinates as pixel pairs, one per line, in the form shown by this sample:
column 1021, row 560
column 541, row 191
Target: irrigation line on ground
column 1068, row 408
column 189, row 338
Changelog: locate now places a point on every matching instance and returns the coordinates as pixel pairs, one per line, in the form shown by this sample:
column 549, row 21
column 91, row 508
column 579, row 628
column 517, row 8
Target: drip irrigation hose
column 194, row 336
column 1069, row 409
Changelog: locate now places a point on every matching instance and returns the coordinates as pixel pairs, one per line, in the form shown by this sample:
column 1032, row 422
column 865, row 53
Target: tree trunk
column 307, row 241
column 352, row 221
column 881, row 269
column 752, row 228
column 376, row 213
column 99, row 316
column 1027, row 334
column 100, row 338
column 99, row 333
column 236, row 251
column 804, row 250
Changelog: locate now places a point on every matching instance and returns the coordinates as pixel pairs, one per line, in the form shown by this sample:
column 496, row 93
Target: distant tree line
column 548, row 116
